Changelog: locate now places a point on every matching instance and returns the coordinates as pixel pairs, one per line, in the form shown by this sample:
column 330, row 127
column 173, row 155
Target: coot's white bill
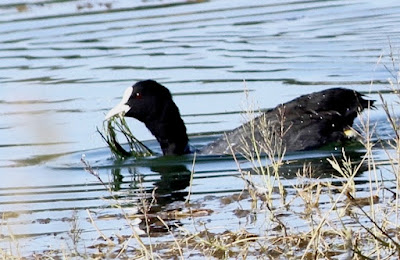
column 122, row 107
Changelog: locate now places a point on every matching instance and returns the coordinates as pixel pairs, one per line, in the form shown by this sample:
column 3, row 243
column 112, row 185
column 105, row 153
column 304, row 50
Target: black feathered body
column 305, row 123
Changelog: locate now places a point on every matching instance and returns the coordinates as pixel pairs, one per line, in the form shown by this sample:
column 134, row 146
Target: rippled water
column 65, row 63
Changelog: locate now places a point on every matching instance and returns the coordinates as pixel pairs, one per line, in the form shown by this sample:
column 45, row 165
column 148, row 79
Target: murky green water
column 65, row 63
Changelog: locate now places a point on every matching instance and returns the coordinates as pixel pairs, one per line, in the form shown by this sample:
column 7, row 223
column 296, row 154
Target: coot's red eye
column 138, row 95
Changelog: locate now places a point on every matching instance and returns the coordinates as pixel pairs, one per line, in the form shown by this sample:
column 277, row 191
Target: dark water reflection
column 65, row 63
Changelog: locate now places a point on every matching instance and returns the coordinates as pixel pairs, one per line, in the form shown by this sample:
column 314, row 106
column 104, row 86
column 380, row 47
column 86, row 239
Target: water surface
column 66, row 63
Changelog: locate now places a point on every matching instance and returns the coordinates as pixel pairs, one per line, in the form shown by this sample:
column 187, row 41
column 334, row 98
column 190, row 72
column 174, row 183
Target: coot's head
column 145, row 101
column 150, row 102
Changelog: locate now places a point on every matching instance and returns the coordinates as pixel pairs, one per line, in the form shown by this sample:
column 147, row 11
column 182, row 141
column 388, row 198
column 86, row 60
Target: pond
column 66, row 63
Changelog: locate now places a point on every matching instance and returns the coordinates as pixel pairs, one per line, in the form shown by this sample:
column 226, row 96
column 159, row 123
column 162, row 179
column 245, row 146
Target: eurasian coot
column 305, row 123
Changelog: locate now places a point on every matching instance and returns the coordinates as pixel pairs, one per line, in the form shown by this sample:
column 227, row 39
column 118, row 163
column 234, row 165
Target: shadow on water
column 173, row 180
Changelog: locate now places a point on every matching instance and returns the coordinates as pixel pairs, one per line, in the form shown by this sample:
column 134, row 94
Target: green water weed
column 111, row 128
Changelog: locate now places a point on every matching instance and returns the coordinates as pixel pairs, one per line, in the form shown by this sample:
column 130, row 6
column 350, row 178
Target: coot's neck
column 170, row 132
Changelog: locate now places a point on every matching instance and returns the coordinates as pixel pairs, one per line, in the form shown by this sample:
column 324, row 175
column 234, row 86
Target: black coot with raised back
column 307, row 122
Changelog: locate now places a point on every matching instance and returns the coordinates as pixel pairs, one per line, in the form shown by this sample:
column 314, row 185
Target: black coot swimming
column 305, row 123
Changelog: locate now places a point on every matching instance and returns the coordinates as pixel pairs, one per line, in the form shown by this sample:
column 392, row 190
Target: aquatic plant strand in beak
column 117, row 124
